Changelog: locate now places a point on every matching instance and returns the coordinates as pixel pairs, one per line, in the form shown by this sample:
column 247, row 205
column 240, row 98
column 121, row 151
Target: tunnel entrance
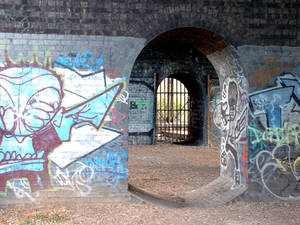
column 172, row 123
column 202, row 64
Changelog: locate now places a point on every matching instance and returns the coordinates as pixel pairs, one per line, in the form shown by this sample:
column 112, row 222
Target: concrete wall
column 273, row 158
column 64, row 115
column 234, row 115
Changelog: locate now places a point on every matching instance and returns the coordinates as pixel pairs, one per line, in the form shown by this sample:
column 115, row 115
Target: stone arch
column 234, row 112
column 181, row 15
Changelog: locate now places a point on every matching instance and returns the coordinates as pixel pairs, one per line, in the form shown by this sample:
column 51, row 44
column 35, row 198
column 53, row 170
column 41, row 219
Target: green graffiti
column 141, row 104
column 288, row 134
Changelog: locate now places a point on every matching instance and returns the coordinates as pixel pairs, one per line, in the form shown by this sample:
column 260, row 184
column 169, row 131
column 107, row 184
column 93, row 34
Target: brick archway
column 225, row 61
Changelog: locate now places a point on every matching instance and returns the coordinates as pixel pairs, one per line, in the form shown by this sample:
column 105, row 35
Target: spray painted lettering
column 288, row 134
column 84, row 60
column 139, row 103
column 113, row 73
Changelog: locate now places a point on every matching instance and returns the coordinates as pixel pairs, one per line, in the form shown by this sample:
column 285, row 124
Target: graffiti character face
column 34, row 122
column 232, row 99
column 30, row 97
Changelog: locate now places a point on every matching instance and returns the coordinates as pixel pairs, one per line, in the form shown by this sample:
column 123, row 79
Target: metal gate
column 172, row 111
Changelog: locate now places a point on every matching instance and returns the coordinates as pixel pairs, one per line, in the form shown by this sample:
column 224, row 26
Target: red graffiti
column 47, row 140
column 117, row 117
column 113, row 73
column 244, row 161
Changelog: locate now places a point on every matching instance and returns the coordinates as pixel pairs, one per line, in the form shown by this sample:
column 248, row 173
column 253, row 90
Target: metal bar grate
column 172, row 111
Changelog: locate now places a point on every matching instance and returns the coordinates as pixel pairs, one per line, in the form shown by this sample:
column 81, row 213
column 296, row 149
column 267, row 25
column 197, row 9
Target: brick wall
column 240, row 22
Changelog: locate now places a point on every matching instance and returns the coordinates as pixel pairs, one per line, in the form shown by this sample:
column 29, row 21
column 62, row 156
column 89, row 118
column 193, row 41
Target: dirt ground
column 167, row 170
column 171, row 170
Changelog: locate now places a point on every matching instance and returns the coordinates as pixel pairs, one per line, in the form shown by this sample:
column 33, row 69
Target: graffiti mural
column 214, row 116
column 117, row 118
column 138, row 103
column 273, row 103
column 274, row 138
column 234, row 121
column 51, row 118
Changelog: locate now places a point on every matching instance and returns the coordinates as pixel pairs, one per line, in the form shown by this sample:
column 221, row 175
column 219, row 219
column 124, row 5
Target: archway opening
column 201, row 61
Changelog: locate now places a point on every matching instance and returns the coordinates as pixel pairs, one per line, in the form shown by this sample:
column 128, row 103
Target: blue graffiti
column 91, row 111
column 292, row 82
column 109, row 164
column 268, row 102
column 271, row 100
column 84, row 60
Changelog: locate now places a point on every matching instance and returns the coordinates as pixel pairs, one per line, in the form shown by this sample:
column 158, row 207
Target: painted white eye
column 40, row 108
column 9, row 119
column 30, row 96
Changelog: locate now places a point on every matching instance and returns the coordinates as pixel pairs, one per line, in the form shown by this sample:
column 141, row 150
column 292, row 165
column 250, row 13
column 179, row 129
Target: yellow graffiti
column 286, row 163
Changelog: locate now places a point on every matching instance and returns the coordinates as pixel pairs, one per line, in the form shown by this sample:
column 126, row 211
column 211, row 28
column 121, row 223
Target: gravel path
column 133, row 212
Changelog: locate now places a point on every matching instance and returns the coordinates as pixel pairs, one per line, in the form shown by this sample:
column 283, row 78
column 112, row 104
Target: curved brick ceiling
column 205, row 41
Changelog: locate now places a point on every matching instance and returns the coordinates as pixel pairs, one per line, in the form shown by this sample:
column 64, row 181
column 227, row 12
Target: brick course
column 240, row 22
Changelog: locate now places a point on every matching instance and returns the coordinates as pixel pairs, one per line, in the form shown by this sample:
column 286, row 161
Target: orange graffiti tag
column 274, row 68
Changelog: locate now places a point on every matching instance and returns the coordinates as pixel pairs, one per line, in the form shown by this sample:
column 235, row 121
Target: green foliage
column 41, row 217
column 180, row 103
column 57, row 218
